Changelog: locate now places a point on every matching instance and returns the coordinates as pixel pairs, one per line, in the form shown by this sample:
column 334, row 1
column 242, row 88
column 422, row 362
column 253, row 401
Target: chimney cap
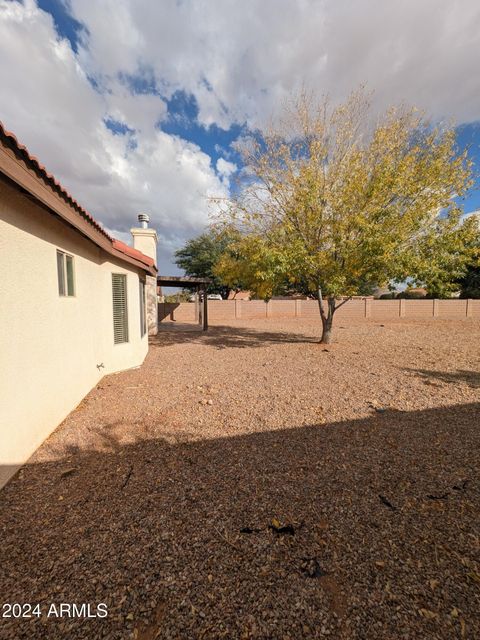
column 144, row 219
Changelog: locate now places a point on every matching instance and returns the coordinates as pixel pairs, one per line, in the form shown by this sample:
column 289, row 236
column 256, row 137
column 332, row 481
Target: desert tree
column 342, row 199
column 469, row 282
column 199, row 255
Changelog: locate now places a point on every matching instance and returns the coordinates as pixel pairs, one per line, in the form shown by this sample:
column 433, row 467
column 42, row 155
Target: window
column 66, row 283
column 120, row 309
column 143, row 323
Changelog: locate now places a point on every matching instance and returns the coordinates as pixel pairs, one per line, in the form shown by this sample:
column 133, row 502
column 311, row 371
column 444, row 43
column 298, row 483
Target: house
column 75, row 304
column 239, row 295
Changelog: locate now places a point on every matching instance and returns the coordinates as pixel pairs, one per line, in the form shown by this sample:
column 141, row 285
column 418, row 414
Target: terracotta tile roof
column 133, row 253
column 50, row 180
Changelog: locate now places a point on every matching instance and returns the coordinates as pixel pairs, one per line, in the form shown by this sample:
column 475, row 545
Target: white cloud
column 225, row 168
column 139, row 112
column 48, row 102
column 240, row 59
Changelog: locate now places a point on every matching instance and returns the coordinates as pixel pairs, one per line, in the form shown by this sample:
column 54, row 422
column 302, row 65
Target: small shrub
column 470, row 293
column 412, row 294
column 388, row 296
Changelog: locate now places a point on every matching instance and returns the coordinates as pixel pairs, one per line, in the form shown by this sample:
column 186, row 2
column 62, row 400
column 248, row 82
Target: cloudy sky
column 134, row 104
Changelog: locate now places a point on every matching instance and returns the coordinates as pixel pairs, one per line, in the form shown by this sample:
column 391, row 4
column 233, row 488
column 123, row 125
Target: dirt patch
column 248, row 483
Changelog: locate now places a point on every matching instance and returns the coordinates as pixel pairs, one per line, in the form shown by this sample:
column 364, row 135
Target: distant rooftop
column 182, row 281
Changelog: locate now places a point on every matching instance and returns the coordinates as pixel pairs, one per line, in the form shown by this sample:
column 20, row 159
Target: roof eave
column 19, row 167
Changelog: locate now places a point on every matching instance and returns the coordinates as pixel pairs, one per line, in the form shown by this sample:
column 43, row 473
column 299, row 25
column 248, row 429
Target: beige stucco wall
column 50, row 345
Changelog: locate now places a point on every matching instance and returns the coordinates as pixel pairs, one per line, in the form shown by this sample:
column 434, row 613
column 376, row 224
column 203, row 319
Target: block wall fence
column 356, row 309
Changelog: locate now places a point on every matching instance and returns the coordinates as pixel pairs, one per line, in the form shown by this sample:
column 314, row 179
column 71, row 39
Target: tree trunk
column 327, row 322
column 327, row 318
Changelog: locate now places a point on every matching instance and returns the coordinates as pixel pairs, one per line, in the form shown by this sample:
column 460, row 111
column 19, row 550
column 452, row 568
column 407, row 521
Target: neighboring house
column 239, row 295
column 72, row 303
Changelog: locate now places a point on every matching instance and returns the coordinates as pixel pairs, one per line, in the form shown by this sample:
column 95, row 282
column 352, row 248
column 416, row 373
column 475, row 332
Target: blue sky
column 65, row 24
column 182, row 107
column 213, row 140
column 468, row 136
column 135, row 104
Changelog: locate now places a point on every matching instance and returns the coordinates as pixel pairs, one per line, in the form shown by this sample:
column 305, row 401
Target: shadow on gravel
column 223, row 337
column 472, row 378
column 354, row 529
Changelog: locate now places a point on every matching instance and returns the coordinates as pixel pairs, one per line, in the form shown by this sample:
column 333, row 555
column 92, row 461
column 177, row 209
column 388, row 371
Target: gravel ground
column 252, row 483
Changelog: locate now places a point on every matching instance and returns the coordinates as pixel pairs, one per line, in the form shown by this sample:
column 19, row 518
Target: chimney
column 145, row 240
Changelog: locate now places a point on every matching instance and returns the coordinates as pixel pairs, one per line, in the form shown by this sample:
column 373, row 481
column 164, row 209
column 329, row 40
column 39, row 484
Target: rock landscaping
column 251, row 483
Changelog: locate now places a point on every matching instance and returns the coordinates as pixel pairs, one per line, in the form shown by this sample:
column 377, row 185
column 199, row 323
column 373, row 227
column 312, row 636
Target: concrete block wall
column 357, row 309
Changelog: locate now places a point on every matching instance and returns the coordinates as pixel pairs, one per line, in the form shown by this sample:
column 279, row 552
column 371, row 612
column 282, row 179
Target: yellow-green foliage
column 338, row 199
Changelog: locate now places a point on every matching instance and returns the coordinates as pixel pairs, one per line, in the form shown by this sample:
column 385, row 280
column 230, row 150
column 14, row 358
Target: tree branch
column 343, row 302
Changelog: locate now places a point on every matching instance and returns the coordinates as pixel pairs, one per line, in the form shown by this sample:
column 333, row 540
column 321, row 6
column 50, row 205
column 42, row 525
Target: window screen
column 65, row 272
column 120, row 310
column 61, row 273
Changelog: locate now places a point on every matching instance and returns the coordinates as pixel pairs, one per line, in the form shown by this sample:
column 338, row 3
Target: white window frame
column 64, row 288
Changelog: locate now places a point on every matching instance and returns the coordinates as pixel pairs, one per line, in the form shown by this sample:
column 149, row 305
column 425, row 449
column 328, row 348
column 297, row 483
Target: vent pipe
column 143, row 219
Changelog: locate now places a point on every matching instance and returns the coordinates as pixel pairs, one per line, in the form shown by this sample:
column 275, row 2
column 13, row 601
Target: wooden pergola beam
column 205, row 310
column 187, row 282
